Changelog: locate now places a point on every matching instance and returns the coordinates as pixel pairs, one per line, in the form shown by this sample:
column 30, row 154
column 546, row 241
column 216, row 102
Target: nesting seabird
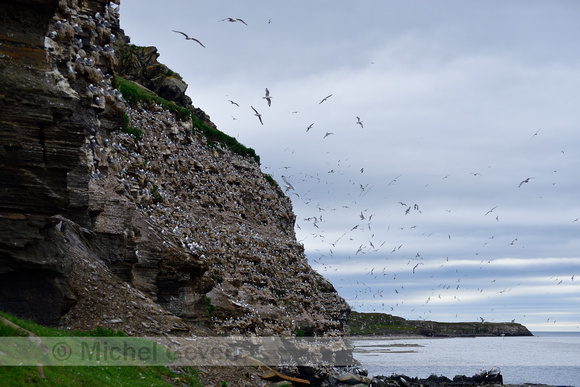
column 188, row 38
column 257, row 115
column 267, row 97
column 233, row 20
column 325, row 98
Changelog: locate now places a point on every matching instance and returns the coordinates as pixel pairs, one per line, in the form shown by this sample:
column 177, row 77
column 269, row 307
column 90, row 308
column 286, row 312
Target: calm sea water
column 546, row 358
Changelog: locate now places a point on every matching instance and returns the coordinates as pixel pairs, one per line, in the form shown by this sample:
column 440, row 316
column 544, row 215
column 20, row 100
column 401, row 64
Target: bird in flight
column 289, row 185
column 525, row 181
column 267, row 97
column 257, row 115
column 233, row 103
column 535, row 134
column 490, row 211
column 310, row 126
column 394, row 180
column 188, row 38
column 358, row 121
column 233, row 20
column 327, row 134
column 325, row 98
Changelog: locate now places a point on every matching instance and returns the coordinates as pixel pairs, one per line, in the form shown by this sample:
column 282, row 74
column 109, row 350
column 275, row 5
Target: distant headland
column 382, row 324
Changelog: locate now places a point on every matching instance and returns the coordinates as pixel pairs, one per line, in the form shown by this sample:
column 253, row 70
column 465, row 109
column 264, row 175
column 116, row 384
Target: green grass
column 87, row 375
column 132, row 130
column 96, row 376
column 210, row 307
column 133, row 93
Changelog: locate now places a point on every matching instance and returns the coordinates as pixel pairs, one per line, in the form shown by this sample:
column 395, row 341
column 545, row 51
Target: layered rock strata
column 156, row 233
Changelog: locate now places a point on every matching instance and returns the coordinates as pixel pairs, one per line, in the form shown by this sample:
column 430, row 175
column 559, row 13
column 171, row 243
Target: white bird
column 288, row 184
column 267, row 97
column 490, row 211
column 358, row 121
column 232, row 20
column 258, row 115
column 188, row 38
column 525, row 181
column 325, row 98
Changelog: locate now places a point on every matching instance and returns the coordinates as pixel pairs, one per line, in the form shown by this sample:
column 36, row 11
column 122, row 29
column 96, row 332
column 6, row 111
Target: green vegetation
column 155, row 193
column 127, row 50
column 86, row 375
column 369, row 324
column 215, row 135
column 209, row 305
column 133, row 93
column 171, row 73
column 132, row 130
column 273, row 182
column 378, row 324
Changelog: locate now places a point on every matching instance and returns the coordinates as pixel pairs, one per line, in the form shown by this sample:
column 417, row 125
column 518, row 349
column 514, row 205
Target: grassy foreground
column 89, row 375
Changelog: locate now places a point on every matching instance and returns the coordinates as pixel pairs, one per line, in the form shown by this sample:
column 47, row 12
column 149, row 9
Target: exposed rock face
column 139, row 64
column 100, row 228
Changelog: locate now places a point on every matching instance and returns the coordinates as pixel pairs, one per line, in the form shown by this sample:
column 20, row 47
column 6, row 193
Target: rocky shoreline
column 359, row 376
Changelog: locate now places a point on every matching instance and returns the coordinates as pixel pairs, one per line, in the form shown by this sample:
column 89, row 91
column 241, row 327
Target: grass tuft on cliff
column 134, row 93
column 85, row 375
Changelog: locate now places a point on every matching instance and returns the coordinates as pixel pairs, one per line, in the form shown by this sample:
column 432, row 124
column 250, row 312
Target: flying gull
column 232, row 20
column 358, row 121
column 525, row 181
column 327, row 134
column 188, row 38
column 257, row 115
column 289, row 185
column 267, row 97
column 490, row 211
column 325, row 98
column 233, row 103
column 309, row 127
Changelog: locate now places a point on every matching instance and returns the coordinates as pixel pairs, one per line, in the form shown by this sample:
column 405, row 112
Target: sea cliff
column 122, row 205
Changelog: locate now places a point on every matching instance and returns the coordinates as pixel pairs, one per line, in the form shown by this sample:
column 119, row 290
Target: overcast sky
column 459, row 197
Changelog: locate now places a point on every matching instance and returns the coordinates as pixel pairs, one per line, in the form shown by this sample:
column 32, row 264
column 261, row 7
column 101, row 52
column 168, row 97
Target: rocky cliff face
column 148, row 232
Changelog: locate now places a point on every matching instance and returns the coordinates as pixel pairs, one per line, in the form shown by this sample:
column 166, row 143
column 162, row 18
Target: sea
column 551, row 358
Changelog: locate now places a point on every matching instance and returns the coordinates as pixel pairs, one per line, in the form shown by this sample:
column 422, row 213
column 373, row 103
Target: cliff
column 134, row 212
column 382, row 324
